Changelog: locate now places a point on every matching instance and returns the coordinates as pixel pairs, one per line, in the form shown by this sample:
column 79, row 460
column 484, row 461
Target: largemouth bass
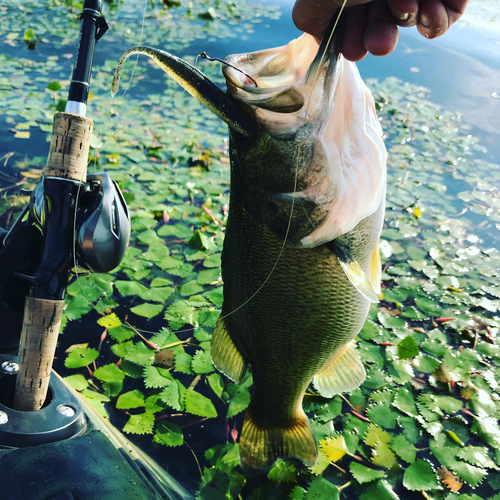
column 300, row 261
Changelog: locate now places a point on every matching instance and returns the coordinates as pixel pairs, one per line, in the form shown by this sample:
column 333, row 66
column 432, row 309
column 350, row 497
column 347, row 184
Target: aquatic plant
column 425, row 422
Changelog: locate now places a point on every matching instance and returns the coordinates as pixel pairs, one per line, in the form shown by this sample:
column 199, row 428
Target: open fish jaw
column 347, row 173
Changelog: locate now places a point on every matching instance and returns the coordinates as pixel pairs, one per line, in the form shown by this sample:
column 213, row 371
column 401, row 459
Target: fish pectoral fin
column 376, row 270
column 225, row 355
column 262, row 445
column 354, row 273
column 344, row 374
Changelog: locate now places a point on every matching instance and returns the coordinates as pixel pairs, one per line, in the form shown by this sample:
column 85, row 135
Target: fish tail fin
column 225, row 355
column 345, row 373
column 261, row 445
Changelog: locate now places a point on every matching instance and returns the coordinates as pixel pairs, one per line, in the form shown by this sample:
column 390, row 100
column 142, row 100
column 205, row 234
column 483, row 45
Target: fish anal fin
column 376, row 270
column 225, row 355
column 262, row 445
column 345, row 373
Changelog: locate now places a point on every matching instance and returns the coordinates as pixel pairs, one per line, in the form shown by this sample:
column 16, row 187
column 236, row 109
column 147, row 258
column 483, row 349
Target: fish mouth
column 294, row 79
column 306, row 93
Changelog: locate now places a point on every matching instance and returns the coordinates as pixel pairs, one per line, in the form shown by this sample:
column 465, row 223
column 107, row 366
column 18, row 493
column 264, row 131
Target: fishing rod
column 72, row 218
column 74, row 222
column 54, row 206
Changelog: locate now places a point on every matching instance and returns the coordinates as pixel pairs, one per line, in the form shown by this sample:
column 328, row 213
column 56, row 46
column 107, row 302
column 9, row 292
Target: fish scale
column 292, row 327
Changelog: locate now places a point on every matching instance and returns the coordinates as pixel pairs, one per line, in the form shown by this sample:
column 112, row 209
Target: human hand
column 372, row 26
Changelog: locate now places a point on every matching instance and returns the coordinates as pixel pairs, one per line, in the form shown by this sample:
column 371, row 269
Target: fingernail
column 402, row 16
column 425, row 20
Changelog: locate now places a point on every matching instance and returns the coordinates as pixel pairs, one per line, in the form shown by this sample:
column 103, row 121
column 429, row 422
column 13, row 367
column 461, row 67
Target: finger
column 381, row 34
column 313, row 17
column 455, row 9
column 353, row 47
column 436, row 16
column 432, row 18
column 405, row 12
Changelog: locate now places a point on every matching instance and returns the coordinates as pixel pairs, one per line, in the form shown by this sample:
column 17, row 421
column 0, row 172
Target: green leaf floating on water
column 428, row 306
column 379, row 490
column 197, row 404
column 131, row 399
column 215, row 382
column 182, row 362
column 140, row 424
column 383, row 414
column 191, row 288
column 121, row 333
column 282, row 472
column 200, row 241
column 202, row 362
column 240, row 399
column 168, row 434
column 130, row 287
column 476, row 455
column 155, row 377
column 141, row 354
column 408, row 348
column 109, row 373
column 122, row 349
column 179, row 314
column 51, row 86
column 364, row 474
column 157, row 294
column 403, row 448
column 320, row 488
column 147, row 310
column 405, row 402
column 81, row 356
column 420, row 476
column 78, row 382
column 171, row 394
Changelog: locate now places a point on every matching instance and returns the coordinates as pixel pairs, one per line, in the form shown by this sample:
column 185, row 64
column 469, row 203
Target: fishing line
column 296, row 173
column 140, row 43
column 75, row 265
column 100, row 146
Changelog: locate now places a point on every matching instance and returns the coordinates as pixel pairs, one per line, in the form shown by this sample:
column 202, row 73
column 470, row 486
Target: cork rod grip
column 42, row 320
column 69, row 147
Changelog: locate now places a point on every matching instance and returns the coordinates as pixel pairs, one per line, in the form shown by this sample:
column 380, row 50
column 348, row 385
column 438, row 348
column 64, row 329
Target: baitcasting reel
column 102, row 226
column 102, row 222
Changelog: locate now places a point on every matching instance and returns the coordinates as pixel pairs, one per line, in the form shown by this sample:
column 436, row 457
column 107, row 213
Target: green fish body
column 300, row 261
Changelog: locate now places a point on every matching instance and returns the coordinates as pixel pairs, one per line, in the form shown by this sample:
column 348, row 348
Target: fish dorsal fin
column 376, row 269
column 345, row 373
column 225, row 355
column 354, row 273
